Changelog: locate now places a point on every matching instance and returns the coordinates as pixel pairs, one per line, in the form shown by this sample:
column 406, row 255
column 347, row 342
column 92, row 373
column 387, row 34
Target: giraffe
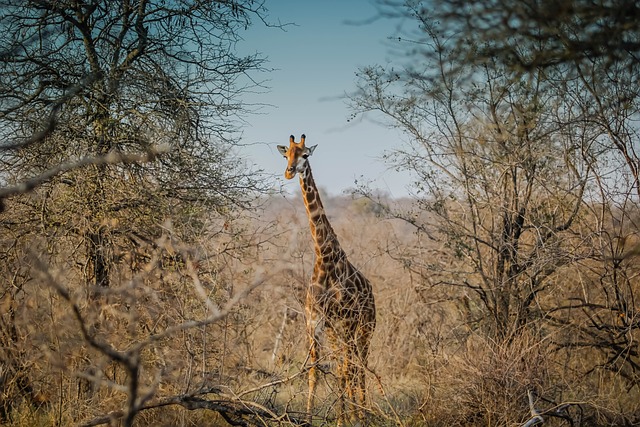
column 339, row 298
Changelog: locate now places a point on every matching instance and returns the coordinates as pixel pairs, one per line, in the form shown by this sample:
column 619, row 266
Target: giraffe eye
column 304, row 156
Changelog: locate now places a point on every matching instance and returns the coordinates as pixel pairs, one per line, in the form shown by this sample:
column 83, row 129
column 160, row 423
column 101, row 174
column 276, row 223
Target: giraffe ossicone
column 339, row 296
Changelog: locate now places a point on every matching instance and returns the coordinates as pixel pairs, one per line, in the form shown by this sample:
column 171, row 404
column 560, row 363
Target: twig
column 536, row 418
column 213, row 318
column 52, row 119
column 384, row 395
column 271, row 384
column 230, row 409
column 558, row 411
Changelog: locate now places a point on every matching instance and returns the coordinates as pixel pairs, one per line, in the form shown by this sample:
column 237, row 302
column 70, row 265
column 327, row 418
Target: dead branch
column 273, row 383
column 111, row 158
column 235, row 411
column 52, row 119
column 231, row 410
column 537, row 416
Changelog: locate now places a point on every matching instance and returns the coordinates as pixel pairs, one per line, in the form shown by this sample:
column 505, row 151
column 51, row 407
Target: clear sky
column 315, row 61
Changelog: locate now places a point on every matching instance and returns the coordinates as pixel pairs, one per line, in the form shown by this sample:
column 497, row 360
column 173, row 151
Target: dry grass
column 184, row 317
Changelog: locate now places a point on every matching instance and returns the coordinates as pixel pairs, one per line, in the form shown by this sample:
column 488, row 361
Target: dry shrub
column 486, row 383
column 179, row 322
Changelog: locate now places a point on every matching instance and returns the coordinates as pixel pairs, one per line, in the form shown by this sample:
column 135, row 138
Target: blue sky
column 315, row 61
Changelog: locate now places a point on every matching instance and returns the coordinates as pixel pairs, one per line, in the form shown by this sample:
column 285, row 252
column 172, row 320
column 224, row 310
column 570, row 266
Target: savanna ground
column 215, row 334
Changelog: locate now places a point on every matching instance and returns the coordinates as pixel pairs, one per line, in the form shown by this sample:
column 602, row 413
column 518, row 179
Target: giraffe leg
column 343, row 384
column 340, row 356
column 313, row 369
column 314, row 321
column 361, row 354
column 348, row 386
column 355, row 388
column 361, row 392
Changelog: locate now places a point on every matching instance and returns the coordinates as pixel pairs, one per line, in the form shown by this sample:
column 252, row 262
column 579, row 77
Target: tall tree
column 522, row 132
column 488, row 158
column 116, row 116
column 589, row 52
column 116, row 81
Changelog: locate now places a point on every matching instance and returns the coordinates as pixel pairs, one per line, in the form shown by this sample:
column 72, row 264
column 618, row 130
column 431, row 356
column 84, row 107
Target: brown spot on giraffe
column 339, row 297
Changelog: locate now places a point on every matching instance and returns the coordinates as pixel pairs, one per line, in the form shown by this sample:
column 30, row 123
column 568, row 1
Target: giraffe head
column 296, row 155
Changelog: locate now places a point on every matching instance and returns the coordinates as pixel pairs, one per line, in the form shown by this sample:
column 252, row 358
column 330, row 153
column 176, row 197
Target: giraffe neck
column 325, row 239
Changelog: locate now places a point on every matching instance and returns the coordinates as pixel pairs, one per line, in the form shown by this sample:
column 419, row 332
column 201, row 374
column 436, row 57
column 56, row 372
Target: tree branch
column 112, row 158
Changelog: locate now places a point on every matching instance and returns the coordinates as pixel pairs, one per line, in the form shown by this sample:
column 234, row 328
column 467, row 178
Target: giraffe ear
column 311, row 149
column 283, row 150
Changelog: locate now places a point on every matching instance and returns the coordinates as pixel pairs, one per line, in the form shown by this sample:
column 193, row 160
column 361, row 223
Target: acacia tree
column 502, row 185
column 594, row 42
column 85, row 79
column 522, row 135
column 590, row 52
column 601, row 311
column 487, row 150
column 116, row 116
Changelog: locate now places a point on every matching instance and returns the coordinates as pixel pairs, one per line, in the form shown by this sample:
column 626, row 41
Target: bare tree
column 522, row 134
column 85, row 79
column 115, row 115
column 530, row 35
column 593, row 47
column 590, row 54
column 492, row 168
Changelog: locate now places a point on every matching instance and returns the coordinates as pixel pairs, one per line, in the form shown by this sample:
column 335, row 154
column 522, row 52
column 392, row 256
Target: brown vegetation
column 146, row 278
column 218, row 326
